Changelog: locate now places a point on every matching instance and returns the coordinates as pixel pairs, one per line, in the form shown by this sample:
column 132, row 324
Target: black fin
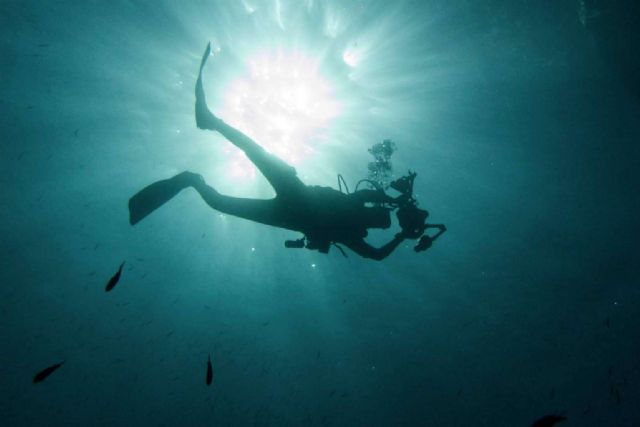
column 152, row 197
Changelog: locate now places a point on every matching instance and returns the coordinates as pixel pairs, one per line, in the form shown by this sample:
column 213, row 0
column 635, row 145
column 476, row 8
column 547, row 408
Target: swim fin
column 207, row 52
column 204, row 118
column 153, row 196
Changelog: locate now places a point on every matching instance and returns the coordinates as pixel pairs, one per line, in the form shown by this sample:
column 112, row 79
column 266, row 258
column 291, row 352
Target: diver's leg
column 280, row 175
column 262, row 211
column 157, row 194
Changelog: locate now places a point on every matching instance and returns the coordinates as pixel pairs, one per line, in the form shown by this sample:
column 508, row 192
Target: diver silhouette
column 324, row 215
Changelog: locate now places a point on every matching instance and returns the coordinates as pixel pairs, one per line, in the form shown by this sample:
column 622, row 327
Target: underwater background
column 521, row 119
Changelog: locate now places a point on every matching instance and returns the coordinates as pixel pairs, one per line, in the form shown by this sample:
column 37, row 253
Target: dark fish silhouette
column 114, row 280
column 209, row 371
column 42, row 375
column 548, row 421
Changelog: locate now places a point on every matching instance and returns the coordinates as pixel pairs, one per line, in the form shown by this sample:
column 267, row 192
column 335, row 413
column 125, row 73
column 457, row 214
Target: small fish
column 548, row 421
column 114, row 280
column 209, row 371
column 607, row 322
column 42, row 375
column 75, row 132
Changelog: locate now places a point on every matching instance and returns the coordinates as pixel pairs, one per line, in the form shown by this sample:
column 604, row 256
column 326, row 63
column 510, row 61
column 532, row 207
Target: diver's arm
column 441, row 229
column 365, row 250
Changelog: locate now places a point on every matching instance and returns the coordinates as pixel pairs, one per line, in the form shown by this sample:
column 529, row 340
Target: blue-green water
column 521, row 119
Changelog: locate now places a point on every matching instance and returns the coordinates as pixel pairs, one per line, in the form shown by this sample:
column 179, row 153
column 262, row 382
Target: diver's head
column 377, row 217
column 412, row 220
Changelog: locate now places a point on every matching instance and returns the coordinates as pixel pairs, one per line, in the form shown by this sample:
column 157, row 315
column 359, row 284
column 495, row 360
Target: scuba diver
column 324, row 216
